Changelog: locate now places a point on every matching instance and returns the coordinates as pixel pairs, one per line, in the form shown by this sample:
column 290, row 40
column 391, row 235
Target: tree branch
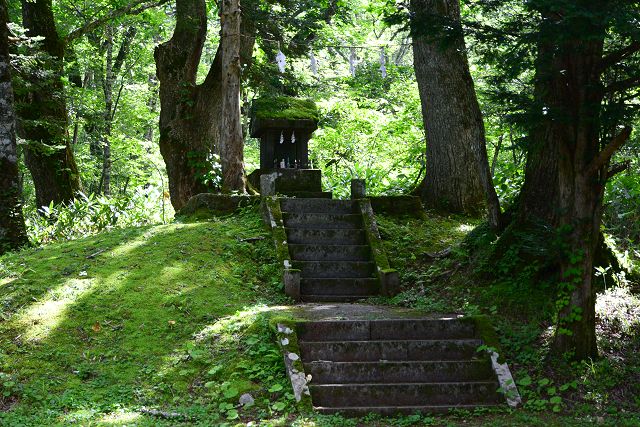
column 621, row 85
column 618, row 55
column 617, row 168
column 604, row 156
column 129, row 9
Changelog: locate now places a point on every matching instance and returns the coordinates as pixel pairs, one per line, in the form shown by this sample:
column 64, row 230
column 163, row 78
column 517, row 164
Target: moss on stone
column 486, row 332
column 284, row 107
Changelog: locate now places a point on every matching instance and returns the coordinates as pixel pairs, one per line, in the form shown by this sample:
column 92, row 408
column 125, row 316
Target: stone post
column 358, row 189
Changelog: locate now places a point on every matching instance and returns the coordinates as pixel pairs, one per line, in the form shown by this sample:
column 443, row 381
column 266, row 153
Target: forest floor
column 169, row 325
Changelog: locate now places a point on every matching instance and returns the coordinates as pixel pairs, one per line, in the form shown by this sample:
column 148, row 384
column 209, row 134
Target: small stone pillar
column 358, row 189
column 268, row 184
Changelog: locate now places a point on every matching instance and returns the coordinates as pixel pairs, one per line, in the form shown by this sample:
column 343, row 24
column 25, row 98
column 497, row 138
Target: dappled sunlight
column 619, row 305
column 223, row 330
column 41, row 318
column 120, row 417
column 465, row 228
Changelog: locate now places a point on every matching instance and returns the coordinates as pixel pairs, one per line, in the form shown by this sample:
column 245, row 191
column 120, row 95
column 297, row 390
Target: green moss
column 272, row 204
column 92, row 329
column 487, row 333
column 282, row 107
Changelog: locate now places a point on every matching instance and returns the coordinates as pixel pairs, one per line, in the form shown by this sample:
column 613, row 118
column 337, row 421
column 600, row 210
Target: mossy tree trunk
column 457, row 176
column 12, row 229
column 42, row 113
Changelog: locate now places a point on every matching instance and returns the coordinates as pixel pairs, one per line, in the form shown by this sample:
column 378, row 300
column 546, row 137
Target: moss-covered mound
column 284, row 107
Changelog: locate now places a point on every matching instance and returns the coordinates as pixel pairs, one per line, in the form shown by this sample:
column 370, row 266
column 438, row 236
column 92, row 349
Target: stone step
column 322, row 220
column 342, row 286
column 391, row 411
column 329, row 252
column 348, row 351
column 396, row 329
column 307, row 194
column 406, row 394
column 325, row 372
column 335, row 269
column 340, row 236
column 319, row 206
column 334, row 298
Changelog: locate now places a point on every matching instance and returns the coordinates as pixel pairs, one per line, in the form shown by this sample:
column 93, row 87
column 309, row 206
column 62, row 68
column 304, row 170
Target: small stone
column 293, row 356
column 246, row 400
column 284, row 341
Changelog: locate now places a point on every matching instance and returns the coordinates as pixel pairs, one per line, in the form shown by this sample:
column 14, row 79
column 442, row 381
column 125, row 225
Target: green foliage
column 92, row 214
column 282, row 107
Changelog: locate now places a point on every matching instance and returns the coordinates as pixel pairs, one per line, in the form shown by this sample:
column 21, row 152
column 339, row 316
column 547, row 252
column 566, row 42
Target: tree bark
column 42, row 114
column 231, row 139
column 457, row 175
column 12, row 229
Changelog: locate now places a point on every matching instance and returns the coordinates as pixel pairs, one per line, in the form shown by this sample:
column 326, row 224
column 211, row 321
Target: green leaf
column 232, row 414
column 278, row 406
column 276, row 387
column 525, row 381
column 555, row 400
column 230, row 392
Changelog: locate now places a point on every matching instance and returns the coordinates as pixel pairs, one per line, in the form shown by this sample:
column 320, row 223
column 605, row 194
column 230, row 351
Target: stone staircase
column 328, row 243
column 397, row 366
column 371, row 359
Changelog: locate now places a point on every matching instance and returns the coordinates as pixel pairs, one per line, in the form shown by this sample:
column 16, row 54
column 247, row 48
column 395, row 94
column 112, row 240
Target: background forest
column 96, row 95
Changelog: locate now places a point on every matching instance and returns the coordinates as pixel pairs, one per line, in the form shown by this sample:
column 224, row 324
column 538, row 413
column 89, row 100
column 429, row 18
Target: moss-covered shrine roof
column 284, row 107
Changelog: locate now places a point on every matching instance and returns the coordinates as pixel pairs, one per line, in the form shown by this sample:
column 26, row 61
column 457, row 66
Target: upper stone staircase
column 328, row 243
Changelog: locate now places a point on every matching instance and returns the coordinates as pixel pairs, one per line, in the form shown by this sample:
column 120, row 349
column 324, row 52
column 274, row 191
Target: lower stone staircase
column 399, row 366
column 328, row 244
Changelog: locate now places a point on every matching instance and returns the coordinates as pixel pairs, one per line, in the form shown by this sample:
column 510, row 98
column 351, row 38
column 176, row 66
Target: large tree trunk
column 571, row 91
column 231, row 138
column 42, row 114
column 12, row 230
column 189, row 113
column 457, row 176
column 186, row 139
column 538, row 199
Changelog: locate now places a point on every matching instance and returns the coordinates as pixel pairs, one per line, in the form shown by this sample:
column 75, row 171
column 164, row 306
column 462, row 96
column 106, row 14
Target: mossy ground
column 178, row 318
column 167, row 317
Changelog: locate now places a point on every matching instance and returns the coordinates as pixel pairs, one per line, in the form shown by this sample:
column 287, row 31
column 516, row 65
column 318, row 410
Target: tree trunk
column 452, row 117
column 112, row 69
column 42, row 114
column 12, row 229
column 231, row 139
column 189, row 113
column 569, row 86
column 538, row 200
column 109, row 80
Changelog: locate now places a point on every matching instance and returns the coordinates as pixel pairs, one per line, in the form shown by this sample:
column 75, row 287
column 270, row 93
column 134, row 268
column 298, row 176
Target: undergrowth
column 444, row 270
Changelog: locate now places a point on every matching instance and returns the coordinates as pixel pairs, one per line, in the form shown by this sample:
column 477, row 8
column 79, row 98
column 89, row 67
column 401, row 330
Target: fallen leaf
column 96, row 327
